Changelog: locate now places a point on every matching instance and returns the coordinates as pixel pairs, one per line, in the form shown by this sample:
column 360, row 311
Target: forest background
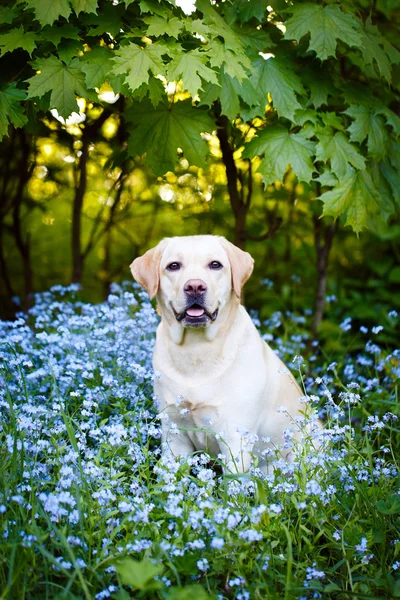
column 274, row 124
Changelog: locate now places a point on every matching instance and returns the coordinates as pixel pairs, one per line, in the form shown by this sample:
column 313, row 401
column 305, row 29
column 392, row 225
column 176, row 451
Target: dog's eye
column 174, row 266
column 215, row 265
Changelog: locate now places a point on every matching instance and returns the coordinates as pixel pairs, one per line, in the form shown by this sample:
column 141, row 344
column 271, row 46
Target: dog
column 218, row 383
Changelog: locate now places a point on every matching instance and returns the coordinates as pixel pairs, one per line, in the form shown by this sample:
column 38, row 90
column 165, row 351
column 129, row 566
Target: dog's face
column 193, row 277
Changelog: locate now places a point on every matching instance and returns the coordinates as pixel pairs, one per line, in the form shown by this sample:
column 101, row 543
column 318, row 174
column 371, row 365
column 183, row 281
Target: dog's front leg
column 237, row 458
column 176, row 442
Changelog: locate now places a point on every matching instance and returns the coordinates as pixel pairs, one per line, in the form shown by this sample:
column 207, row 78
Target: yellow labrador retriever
column 215, row 371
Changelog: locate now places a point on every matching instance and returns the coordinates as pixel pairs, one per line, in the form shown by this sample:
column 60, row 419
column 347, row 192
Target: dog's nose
column 195, row 287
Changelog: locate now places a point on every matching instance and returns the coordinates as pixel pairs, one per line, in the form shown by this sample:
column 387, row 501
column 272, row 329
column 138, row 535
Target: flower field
column 90, row 509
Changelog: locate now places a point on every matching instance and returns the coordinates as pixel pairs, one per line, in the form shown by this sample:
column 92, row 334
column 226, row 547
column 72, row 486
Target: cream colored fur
column 221, row 377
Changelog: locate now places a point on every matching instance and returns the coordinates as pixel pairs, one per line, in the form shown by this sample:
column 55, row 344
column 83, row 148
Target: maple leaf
column 61, row 80
column 68, row 49
column 162, row 130
column 96, row 65
column 210, row 94
column 48, row 11
column 234, row 64
column 319, row 83
column 135, row 62
column 149, row 6
column 230, row 103
column 163, row 26
column 377, row 50
column 154, row 90
column 87, row 6
column 108, row 20
column 355, row 196
column 191, row 67
column 249, row 9
column 218, row 27
column 274, row 76
column 326, row 25
column 18, row 38
column 253, row 39
column 391, row 178
column 335, row 148
column 55, row 34
column 368, row 124
column 7, row 14
column 281, row 149
column 11, row 110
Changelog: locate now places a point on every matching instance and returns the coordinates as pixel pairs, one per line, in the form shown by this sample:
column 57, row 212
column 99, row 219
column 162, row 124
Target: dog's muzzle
column 195, row 315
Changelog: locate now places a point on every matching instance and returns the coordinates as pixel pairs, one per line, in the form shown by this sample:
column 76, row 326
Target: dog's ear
column 146, row 270
column 242, row 264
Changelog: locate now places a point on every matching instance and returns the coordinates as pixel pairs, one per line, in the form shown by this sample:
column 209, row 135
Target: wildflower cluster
column 88, row 504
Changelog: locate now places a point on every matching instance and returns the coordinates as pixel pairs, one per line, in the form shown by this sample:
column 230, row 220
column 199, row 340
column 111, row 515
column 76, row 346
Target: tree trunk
column 108, row 233
column 23, row 245
column 77, row 256
column 239, row 208
column 4, row 270
column 323, row 243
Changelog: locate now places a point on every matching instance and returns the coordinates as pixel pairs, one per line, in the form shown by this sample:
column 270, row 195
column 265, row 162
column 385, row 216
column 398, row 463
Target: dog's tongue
column 195, row 312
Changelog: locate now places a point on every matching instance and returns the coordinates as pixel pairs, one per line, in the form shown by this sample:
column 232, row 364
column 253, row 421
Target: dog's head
column 193, row 277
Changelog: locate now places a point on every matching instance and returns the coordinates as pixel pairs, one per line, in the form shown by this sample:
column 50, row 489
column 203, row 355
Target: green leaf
column 160, row 131
column 306, row 115
column 96, row 65
column 391, row 506
column 391, row 118
column 274, row 76
column 327, row 178
column 11, row 110
column 189, row 592
column 333, row 120
column 391, row 177
column 87, row 6
column 135, row 62
column 139, row 574
column 7, row 14
column 211, row 92
column 382, row 506
column 320, row 86
column 368, row 124
column 377, row 50
column 156, row 91
column 256, row 40
column 281, row 149
column 218, row 27
column 326, row 25
column 234, row 64
column 230, row 103
column 69, row 49
column 107, row 21
column 355, row 196
column 249, row 9
column 18, row 38
column 151, row 6
column 388, row 6
column 335, row 148
column 163, row 26
column 59, row 79
column 191, row 67
column 55, row 34
column 248, row 93
column 48, row 11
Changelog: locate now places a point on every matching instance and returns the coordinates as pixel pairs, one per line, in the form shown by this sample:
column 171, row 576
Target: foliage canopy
column 306, row 86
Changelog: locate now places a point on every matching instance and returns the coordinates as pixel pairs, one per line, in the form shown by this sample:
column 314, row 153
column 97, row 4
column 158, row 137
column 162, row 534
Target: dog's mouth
column 195, row 315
